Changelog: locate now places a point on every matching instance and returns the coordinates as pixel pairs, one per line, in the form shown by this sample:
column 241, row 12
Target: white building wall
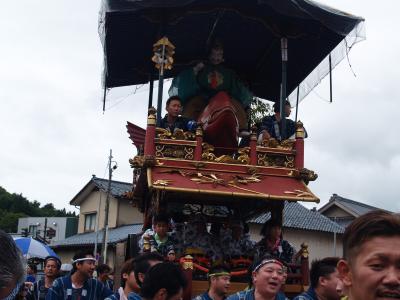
column 59, row 224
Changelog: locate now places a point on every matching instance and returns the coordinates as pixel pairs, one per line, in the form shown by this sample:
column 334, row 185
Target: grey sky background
column 54, row 135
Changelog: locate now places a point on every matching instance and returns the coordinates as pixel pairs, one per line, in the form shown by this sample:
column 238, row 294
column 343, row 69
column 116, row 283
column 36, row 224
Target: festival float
column 279, row 50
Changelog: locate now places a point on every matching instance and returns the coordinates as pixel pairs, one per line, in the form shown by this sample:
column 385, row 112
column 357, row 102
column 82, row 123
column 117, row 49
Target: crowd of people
column 369, row 270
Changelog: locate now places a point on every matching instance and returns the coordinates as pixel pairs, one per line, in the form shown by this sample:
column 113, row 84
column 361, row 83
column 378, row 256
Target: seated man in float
column 210, row 78
column 214, row 96
column 271, row 126
column 173, row 120
column 236, row 242
column 198, row 241
column 159, row 238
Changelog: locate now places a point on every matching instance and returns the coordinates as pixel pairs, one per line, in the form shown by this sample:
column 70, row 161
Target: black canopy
column 249, row 29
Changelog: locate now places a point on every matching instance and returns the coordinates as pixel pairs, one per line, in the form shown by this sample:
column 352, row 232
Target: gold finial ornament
column 151, row 118
column 304, row 250
column 163, row 52
column 187, row 262
column 300, row 130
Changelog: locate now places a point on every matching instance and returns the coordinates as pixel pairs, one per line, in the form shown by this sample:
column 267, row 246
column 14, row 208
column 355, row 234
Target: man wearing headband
column 79, row 285
column 40, row 288
column 219, row 279
column 268, row 276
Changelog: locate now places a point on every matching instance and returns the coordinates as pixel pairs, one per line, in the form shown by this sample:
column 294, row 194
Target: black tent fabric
column 249, row 29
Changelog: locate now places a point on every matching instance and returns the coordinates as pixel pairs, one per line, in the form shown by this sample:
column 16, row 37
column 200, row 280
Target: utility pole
column 105, row 230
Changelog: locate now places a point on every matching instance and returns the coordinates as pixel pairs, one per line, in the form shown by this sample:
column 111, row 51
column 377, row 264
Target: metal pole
column 151, row 91
column 96, row 237
column 297, row 102
column 45, row 229
column 160, row 87
column 105, row 232
column 284, row 46
column 330, row 78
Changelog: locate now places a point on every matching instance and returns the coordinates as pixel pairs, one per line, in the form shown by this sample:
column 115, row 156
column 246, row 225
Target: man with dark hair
column 103, row 275
column 79, row 285
column 173, row 120
column 143, row 263
column 271, row 126
column 325, row 281
column 40, row 288
column 31, row 271
column 12, row 267
column 128, row 283
column 219, row 279
column 268, row 276
column 163, row 281
column 371, row 248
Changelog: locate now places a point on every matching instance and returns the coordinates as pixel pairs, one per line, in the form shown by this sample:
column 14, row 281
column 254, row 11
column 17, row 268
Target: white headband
column 83, row 259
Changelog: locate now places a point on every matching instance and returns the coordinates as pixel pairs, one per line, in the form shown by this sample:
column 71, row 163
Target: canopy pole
column 104, row 99
column 297, row 102
column 151, row 80
column 330, row 78
column 160, row 88
column 284, row 48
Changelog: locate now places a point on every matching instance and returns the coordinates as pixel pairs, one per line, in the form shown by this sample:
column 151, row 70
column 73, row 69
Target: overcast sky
column 54, row 135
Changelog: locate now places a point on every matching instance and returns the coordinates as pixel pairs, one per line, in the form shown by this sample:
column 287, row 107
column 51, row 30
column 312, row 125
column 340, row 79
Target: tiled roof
column 115, row 235
column 297, row 216
column 357, row 208
column 118, row 188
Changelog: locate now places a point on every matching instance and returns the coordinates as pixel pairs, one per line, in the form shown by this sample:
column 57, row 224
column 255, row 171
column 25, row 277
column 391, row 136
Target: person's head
column 84, row 263
column 200, row 223
column 12, row 267
column 160, row 225
column 103, row 272
column 216, row 55
column 272, row 229
column 324, row 277
column 287, row 106
column 171, row 255
column 52, row 265
column 371, row 248
column 31, row 269
column 174, row 106
column 143, row 263
column 219, row 278
column 164, row 281
column 268, row 276
column 237, row 230
column 128, row 279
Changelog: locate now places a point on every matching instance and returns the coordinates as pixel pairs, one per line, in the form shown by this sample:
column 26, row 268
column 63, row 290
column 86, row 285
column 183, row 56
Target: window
column 90, row 222
column 33, row 230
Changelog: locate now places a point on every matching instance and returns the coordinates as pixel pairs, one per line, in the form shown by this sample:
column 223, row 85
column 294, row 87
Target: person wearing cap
column 79, row 285
column 267, row 278
column 273, row 243
column 236, row 243
column 52, row 265
column 219, row 280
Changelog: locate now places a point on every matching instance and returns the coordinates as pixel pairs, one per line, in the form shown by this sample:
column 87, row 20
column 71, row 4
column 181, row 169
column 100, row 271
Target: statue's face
column 216, row 56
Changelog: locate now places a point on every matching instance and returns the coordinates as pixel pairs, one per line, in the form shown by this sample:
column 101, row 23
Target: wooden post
column 299, row 146
column 120, row 250
column 187, row 267
column 199, row 143
column 149, row 147
column 253, row 146
column 305, row 271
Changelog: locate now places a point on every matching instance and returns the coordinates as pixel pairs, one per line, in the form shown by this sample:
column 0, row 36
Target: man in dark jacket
column 325, row 281
column 173, row 120
column 79, row 285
